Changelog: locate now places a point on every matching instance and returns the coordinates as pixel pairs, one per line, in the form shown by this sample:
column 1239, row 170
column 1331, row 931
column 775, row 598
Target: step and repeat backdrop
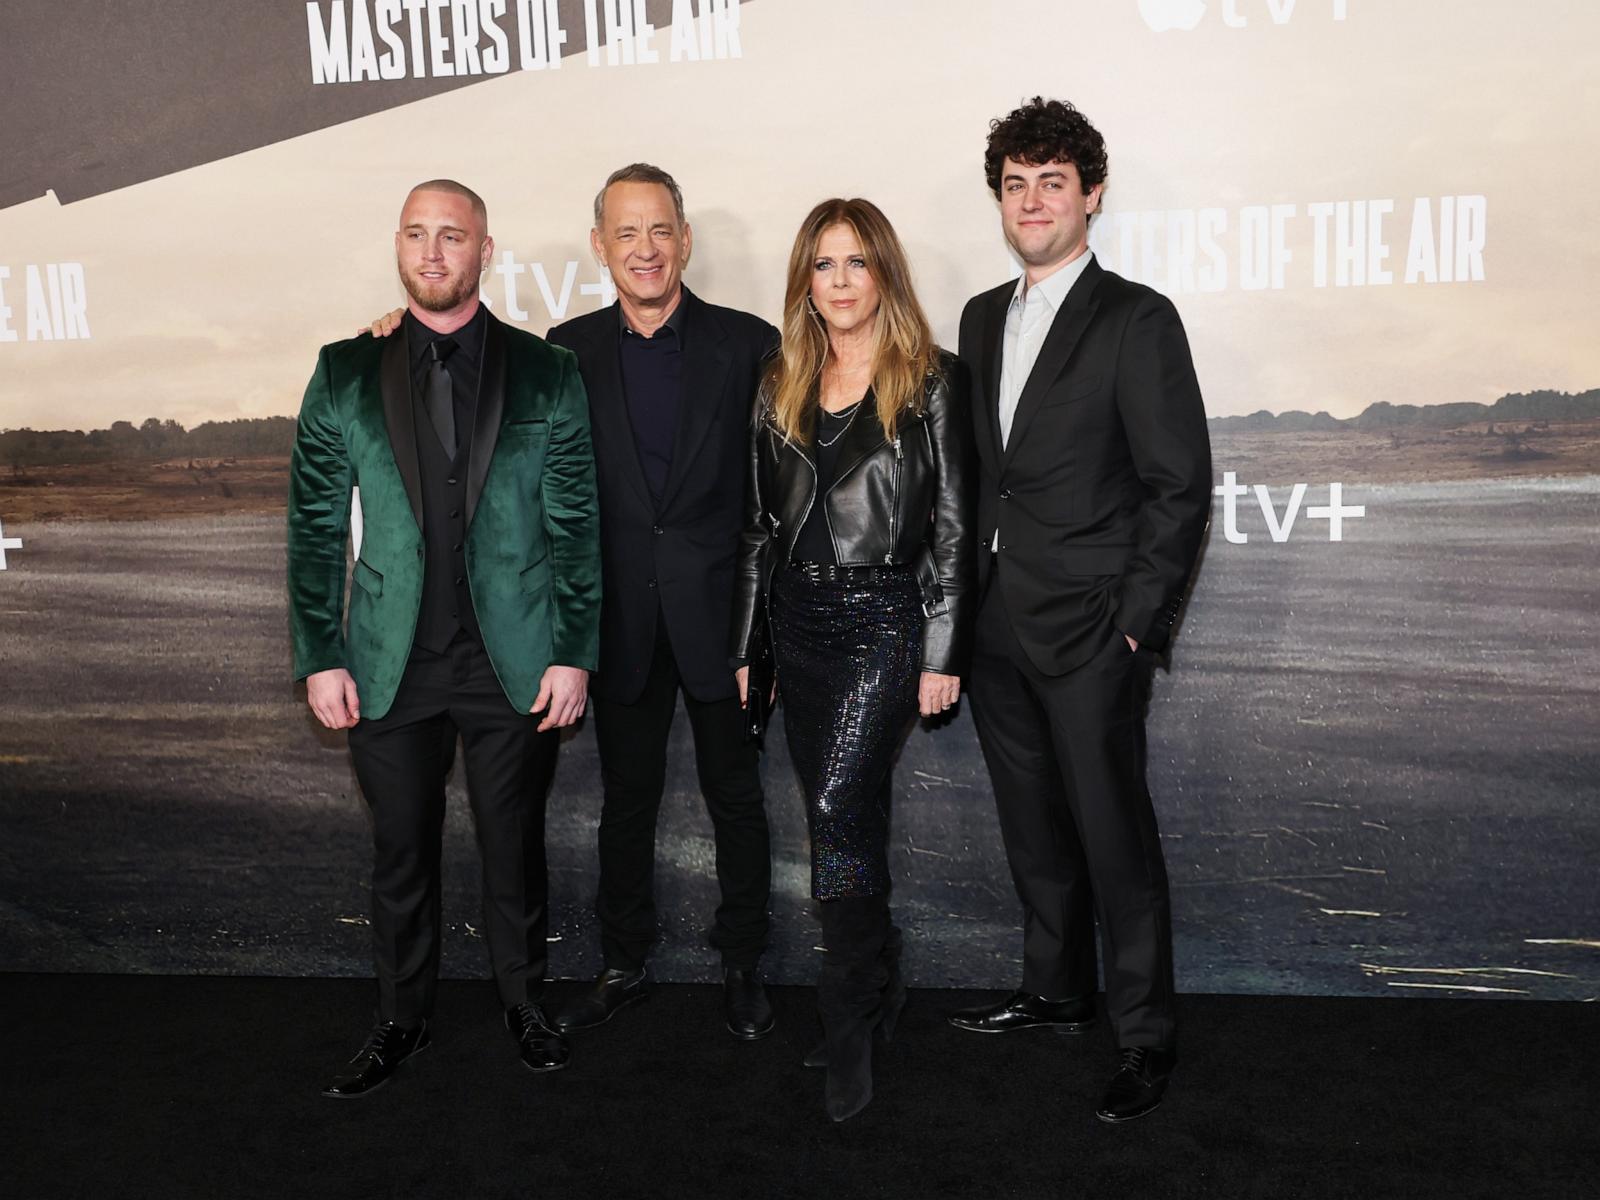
column 1375, row 754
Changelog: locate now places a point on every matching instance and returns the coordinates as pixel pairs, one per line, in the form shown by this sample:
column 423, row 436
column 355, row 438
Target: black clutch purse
column 759, row 697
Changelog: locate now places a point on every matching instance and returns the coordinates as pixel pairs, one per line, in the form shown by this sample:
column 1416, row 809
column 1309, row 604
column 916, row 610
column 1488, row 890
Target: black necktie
column 439, row 394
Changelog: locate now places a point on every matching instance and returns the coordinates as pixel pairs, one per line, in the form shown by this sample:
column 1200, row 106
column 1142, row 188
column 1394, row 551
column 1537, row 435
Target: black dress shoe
column 1021, row 1010
column 541, row 1045
column 611, row 990
column 1139, row 1084
column 386, row 1047
column 745, row 1002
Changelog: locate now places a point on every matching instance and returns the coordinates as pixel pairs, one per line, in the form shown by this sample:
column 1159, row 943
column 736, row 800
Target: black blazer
column 1103, row 491
column 906, row 501
column 677, row 560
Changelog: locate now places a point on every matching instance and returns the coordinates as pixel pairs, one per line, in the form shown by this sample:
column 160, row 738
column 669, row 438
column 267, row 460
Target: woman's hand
column 742, row 675
column 385, row 325
column 936, row 692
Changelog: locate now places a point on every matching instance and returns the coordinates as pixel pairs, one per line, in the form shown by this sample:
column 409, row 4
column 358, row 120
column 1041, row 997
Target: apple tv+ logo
column 1162, row 15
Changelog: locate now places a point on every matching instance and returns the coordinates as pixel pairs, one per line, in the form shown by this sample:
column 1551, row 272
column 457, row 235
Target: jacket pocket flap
column 1075, row 389
column 535, row 575
column 370, row 581
column 1093, row 560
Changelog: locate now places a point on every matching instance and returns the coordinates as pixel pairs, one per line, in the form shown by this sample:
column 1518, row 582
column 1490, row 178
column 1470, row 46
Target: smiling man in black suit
column 671, row 383
column 1094, row 494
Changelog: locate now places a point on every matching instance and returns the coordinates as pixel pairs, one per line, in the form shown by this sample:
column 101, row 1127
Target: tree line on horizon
column 260, row 437
column 245, row 437
column 1385, row 417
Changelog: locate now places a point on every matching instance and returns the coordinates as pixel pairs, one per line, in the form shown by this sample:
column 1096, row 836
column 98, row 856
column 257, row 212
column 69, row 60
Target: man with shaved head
column 473, row 609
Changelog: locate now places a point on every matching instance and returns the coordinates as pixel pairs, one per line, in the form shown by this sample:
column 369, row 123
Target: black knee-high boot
column 850, row 996
column 894, row 997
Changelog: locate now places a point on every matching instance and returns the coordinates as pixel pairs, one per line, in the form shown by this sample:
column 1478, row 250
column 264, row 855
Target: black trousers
column 1066, row 754
column 402, row 760
column 632, row 739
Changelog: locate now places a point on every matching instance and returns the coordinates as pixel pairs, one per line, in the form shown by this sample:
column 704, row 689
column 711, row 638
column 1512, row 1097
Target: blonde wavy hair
column 903, row 351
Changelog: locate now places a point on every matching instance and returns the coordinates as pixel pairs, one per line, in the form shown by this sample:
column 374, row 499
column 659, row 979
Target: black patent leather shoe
column 1022, row 1010
column 386, row 1047
column 611, row 990
column 541, row 1045
column 744, row 1001
column 1139, row 1084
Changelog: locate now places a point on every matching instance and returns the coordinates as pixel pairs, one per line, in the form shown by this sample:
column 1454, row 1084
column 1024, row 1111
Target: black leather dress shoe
column 1021, row 1010
column 1138, row 1085
column 386, row 1047
column 611, row 990
column 745, row 1002
column 541, row 1045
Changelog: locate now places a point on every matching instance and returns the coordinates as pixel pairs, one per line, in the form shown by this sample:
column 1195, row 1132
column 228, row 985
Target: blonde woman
column 858, row 562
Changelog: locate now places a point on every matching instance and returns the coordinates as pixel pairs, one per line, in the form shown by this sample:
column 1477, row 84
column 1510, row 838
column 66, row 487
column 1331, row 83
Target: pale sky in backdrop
column 209, row 291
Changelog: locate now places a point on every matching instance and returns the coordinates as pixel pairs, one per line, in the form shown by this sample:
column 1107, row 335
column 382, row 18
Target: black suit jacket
column 1102, row 493
column 676, row 559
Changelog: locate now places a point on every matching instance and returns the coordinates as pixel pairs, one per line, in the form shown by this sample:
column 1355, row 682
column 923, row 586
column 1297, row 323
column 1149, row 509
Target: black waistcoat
column 446, row 597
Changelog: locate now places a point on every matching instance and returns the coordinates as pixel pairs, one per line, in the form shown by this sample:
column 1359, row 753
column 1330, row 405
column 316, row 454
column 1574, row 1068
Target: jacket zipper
column 894, row 503
column 801, row 523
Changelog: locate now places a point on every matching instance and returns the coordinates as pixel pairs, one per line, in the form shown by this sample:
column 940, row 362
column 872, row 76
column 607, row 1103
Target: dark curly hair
column 1043, row 131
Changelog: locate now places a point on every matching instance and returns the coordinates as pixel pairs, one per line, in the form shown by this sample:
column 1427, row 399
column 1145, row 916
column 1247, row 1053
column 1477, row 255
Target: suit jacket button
column 657, row 529
column 651, row 584
column 1005, row 493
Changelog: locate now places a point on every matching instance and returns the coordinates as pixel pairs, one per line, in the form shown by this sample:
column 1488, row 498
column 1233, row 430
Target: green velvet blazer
column 532, row 550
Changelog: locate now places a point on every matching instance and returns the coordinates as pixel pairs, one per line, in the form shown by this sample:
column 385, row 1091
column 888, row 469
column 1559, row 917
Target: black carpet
column 137, row 1086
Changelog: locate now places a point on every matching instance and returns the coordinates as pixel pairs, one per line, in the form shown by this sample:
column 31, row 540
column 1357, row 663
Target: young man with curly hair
column 1094, row 494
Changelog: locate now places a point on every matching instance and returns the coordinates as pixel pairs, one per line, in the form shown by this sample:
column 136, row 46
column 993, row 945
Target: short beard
column 439, row 301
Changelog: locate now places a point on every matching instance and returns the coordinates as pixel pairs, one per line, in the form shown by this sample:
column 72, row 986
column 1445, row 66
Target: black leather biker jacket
column 910, row 500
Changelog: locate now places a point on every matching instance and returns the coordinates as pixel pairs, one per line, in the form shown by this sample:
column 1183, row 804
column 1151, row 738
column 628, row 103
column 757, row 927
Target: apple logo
column 1162, row 15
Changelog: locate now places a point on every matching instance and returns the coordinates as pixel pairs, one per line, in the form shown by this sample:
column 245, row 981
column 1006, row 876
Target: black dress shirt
column 465, row 365
column 652, row 385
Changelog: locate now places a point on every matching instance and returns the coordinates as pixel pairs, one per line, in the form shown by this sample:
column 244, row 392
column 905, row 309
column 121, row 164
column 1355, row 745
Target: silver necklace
column 854, row 409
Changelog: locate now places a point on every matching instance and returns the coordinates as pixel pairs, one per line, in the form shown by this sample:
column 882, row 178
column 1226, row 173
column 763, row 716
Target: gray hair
column 639, row 173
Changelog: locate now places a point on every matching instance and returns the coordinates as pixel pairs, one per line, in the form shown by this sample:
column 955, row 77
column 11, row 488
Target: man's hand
column 564, row 691
column 385, row 325
column 936, row 692
column 332, row 696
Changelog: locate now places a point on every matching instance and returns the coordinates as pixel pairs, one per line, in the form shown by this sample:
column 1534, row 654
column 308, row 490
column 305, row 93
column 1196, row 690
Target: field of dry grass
column 161, row 490
column 146, row 490
column 1481, row 451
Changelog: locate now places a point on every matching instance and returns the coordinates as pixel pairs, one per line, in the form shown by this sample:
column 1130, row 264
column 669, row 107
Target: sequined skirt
column 849, row 655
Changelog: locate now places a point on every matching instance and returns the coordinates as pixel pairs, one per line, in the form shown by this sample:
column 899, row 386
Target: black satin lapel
column 1065, row 333
column 491, row 406
column 705, row 370
column 994, row 333
column 394, row 384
